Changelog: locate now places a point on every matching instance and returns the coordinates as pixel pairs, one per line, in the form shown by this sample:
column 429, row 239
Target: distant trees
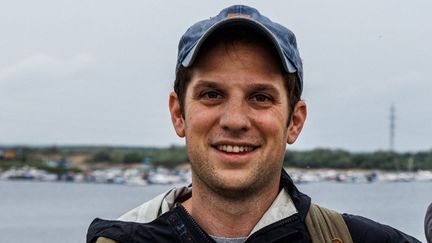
column 340, row 159
column 318, row 158
column 174, row 155
column 102, row 156
column 133, row 157
column 169, row 157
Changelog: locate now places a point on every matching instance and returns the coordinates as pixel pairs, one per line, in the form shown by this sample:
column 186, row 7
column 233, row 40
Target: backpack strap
column 105, row 240
column 325, row 225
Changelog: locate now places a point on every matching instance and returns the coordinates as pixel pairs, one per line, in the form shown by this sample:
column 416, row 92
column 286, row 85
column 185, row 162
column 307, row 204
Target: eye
column 211, row 95
column 260, row 98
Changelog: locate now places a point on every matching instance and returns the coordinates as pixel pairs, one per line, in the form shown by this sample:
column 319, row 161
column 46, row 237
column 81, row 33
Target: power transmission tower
column 392, row 127
column 392, row 136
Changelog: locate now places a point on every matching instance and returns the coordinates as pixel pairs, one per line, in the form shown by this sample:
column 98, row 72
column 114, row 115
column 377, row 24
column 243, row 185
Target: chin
column 236, row 185
column 234, row 193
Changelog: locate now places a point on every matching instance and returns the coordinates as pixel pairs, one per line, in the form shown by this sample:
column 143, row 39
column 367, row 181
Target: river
column 61, row 212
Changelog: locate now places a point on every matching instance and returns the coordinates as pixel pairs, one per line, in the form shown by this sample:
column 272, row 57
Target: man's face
column 236, row 119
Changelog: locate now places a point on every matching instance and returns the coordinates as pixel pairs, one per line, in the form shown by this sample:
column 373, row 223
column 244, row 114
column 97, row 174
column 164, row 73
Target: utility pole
column 392, row 128
column 392, row 136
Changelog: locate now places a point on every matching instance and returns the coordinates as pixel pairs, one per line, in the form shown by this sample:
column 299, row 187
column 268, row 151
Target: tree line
column 174, row 155
column 341, row 159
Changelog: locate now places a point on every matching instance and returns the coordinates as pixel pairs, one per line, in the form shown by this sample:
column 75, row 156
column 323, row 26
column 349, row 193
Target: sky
column 99, row 72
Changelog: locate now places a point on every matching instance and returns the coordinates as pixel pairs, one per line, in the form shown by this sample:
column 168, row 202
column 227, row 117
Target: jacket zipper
column 288, row 220
column 195, row 224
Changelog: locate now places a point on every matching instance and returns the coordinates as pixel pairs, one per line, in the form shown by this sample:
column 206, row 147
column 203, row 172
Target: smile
column 234, row 148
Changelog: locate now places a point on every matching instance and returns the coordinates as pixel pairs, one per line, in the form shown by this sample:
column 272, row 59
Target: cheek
column 272, row 124
column 199, row 121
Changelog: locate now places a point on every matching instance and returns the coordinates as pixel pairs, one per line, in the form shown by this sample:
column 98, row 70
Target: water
column 61, row 212
column 400, row 205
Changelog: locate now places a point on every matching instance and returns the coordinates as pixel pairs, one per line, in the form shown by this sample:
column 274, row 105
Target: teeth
column 229, row 148
column 234, row 149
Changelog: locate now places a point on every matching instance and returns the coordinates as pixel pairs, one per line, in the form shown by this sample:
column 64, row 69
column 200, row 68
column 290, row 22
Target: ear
column 176, row 116
column 298, row 119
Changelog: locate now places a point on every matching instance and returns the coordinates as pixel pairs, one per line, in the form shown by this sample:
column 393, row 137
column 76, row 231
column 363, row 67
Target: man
column 237, row 103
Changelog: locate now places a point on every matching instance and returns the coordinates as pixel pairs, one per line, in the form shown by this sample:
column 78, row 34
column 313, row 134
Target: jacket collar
column 301, row 201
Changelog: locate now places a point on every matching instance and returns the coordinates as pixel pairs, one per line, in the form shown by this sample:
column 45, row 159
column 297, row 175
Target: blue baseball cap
column 283, row 39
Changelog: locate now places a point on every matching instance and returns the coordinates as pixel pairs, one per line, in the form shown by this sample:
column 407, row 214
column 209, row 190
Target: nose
column 235, row 117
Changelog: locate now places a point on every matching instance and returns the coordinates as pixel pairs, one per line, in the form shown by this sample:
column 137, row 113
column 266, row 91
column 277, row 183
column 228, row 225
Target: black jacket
column 177, row 225
column 428, row 224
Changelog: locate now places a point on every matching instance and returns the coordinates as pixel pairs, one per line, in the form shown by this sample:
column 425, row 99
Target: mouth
column 237, row 149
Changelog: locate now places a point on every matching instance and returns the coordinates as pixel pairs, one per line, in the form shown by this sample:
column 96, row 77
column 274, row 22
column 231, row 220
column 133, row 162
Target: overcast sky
column 99, row 72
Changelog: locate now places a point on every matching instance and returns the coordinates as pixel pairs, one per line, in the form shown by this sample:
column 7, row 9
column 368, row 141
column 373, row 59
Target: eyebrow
column 206, row 84
column 264, row 87
column 253, row 87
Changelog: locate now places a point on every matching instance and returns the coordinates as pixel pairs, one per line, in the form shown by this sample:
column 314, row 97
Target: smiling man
column 236, row 119
column 237, row 103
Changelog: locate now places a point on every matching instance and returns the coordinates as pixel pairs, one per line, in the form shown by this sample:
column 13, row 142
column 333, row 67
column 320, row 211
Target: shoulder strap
column 325, row 225
column 105, row 240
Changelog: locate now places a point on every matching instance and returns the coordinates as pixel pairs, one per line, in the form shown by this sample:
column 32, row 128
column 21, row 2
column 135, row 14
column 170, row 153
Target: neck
column 229, row 217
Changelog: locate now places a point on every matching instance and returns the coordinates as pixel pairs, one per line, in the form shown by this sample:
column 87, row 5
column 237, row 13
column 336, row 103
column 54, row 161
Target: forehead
column 238, row 64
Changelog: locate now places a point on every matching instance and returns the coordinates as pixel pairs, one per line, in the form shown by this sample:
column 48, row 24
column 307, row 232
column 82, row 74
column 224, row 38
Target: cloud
column 44, row 69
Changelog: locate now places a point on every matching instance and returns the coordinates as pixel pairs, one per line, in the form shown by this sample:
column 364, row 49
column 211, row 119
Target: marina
column 149, row 175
